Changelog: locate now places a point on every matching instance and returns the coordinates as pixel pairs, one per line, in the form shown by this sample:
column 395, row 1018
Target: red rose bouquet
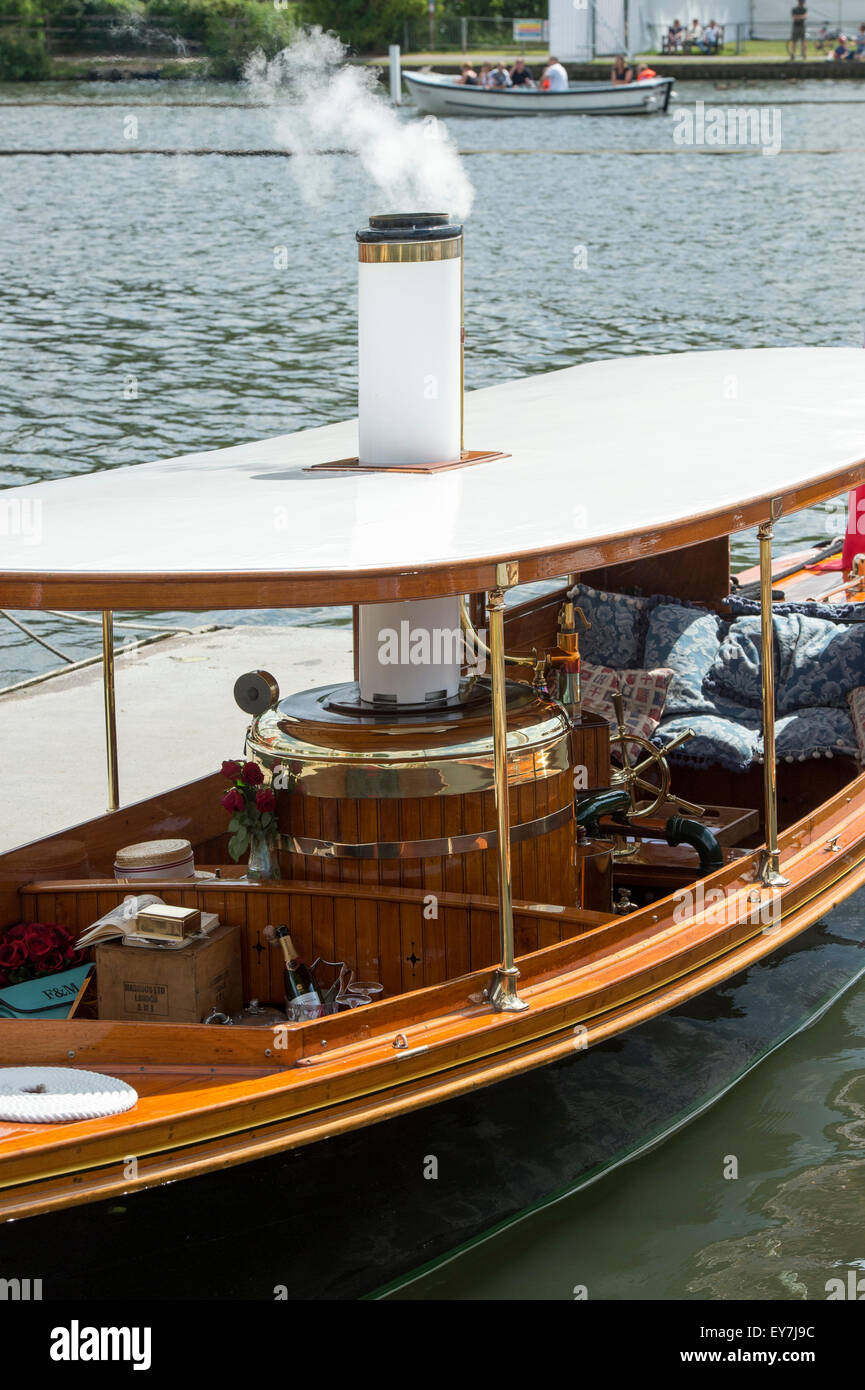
column 251, row 803
column 32, row 949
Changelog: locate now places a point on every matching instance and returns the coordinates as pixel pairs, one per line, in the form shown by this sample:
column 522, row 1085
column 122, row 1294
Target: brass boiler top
column 335, row 746
column 406, row 797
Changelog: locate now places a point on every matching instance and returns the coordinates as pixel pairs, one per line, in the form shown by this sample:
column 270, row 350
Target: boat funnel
column 410, row 416
column 409, row 340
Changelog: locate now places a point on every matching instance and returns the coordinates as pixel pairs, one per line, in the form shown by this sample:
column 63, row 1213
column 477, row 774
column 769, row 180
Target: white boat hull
column 444, row 96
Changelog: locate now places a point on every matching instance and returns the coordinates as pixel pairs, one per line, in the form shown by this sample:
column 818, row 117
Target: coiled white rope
column 45, row 1095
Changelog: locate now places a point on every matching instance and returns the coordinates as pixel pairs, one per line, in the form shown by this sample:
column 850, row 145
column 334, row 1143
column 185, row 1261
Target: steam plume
column 324, row 105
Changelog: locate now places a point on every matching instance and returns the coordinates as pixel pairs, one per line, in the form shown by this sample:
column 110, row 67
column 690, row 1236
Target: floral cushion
column 686, row 639
column 643, row 695
column 615, row 637
column 817, row 662
column 856, row 705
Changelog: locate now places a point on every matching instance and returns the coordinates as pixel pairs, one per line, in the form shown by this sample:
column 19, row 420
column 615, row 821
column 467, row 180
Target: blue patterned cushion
column 817, row 662
column 618, row 624
column 686, row 639
column 733, row 738
column 814, row 733
column 833, row 612
column 829, row 662
column 733, row 743
column 736, row 672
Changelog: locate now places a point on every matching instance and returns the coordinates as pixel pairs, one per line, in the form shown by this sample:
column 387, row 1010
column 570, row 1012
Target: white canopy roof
column 608, row 461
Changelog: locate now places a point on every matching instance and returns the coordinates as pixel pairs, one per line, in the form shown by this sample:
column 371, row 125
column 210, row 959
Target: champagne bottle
column 299, row 983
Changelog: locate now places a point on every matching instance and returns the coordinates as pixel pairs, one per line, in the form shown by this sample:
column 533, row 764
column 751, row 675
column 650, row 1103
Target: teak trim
column 190, row 590
column 467, row 459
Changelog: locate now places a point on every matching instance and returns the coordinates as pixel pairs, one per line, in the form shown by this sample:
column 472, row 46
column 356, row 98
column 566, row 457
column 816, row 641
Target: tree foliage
column 367, row 25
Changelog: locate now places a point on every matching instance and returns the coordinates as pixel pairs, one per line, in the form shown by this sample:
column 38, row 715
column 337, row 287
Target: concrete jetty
column 176, row 720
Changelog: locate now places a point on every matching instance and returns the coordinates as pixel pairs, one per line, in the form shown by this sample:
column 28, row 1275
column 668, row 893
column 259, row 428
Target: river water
column 144, row 315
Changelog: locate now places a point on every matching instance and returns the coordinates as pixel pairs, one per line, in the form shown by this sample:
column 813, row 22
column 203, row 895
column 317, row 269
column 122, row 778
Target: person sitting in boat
column 500, row 77
column 555, row 76
column 520, row 75
column 468, row 77
column 644, row 72
column 622, row 72
column 486, row 75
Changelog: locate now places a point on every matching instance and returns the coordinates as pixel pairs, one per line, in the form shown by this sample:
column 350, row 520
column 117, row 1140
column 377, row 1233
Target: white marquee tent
column 583, row 29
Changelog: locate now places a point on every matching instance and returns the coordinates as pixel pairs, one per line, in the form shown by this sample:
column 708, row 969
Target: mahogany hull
column 375, row 1217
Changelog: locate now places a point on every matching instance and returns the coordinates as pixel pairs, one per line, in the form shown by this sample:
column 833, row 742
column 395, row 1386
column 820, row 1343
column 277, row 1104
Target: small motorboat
column 439, row 95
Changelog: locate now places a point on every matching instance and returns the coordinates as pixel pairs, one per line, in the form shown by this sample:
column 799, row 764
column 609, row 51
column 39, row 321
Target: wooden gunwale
column 31, row 1198
column 189, row 590
column 565, row 984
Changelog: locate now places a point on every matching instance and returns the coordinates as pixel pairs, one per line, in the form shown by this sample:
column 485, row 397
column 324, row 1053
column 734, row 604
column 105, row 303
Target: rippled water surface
column 676, row 1225
column 143, row 315
column 164, row 267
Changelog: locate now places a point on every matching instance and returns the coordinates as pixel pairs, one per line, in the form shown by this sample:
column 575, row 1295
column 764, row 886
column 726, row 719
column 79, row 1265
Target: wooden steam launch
column 458, row 830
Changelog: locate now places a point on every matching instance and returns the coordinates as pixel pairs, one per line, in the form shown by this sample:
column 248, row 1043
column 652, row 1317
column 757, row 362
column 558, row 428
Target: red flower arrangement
column 250, row 802
column 32, row 949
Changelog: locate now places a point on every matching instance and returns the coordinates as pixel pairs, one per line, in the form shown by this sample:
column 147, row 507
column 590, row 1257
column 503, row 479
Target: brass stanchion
column 502, row 989
column 769, row 872
column 110, row 709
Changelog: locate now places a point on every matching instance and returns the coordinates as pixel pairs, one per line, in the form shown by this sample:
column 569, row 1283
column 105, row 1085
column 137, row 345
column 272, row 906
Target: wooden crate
column 178, row 986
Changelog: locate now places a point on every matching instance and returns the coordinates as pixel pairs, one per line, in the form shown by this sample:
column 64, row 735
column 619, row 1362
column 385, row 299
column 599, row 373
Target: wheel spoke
column 647, row 786
column 647, row 762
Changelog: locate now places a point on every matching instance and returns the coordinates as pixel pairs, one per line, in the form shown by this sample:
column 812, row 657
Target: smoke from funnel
column 323, row 105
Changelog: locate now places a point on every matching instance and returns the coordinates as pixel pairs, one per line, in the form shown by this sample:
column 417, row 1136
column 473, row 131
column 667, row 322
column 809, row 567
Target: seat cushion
column 617, row 630
column 731, row 743
column 733, row 736
column 817, row 662
column 686, row 639
column 856, row 705
column 816, row 732
column 834, row 612
column 643, row 695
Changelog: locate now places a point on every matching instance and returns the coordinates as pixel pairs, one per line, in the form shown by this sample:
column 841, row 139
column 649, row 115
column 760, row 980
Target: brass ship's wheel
column 636, row 777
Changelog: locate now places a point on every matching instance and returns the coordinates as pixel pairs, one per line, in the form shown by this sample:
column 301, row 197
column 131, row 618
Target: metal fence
column 782, row 29
column 470, row 34
column 95, row 33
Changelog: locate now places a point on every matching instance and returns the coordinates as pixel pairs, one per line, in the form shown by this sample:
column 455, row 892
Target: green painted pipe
column 598, row 804
column 681, row 831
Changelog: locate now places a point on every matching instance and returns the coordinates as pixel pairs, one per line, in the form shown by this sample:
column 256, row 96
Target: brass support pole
column 769, row 872
column 462, row 357
column 502, row 989
column 110, row 709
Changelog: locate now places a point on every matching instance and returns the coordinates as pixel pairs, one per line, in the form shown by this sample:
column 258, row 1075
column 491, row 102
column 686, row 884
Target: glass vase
column 263, row 863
